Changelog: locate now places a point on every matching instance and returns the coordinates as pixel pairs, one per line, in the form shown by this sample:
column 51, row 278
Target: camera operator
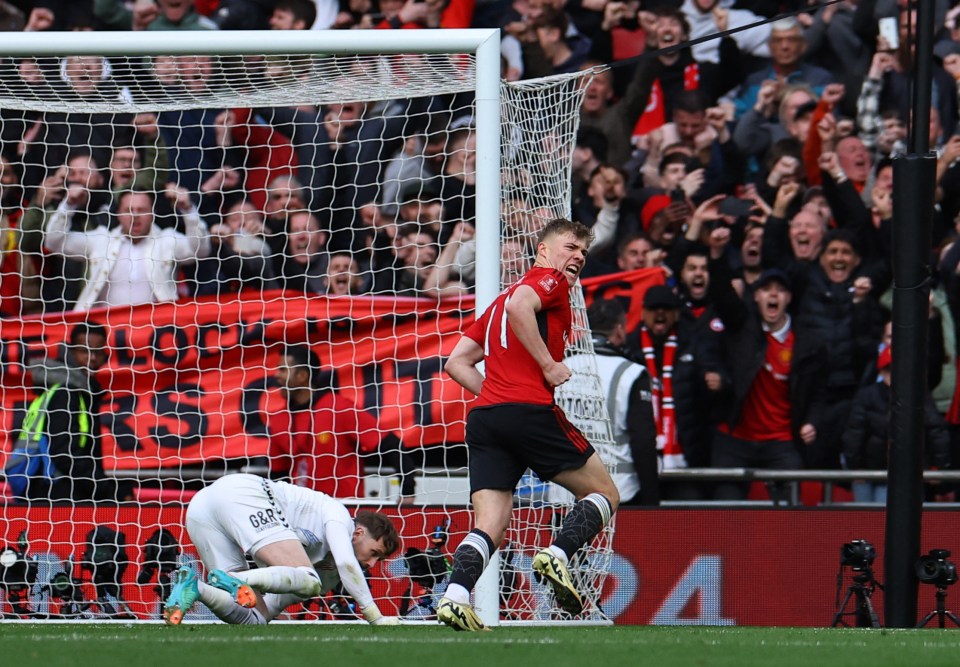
column 429, row 572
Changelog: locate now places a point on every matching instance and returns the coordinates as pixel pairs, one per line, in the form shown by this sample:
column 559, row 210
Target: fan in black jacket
column 774, row 393
column 867, row 436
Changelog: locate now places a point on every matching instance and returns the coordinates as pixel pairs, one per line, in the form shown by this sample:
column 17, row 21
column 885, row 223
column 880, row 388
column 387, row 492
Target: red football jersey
column 766, row 410
column 511, row 373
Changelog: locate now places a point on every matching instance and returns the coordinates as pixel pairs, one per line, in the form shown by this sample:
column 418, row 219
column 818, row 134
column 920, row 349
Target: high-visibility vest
column 30, row 456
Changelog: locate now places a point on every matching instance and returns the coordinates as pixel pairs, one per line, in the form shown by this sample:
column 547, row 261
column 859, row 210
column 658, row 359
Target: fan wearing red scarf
column 670, row 342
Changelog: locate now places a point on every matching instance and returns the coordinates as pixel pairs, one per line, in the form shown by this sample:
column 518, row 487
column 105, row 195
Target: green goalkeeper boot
column 183, row 596
column 549, row 569
column 242, row 594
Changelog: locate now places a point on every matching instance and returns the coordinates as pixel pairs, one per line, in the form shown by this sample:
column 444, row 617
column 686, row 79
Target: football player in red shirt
column 515, row 424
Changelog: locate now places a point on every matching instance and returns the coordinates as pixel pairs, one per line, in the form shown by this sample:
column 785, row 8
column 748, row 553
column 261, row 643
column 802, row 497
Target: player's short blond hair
column 562, row 226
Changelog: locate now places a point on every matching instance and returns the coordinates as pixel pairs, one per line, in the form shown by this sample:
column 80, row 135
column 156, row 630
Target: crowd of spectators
column 767, row 149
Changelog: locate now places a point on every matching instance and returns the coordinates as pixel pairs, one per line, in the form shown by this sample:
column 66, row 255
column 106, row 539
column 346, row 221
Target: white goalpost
column 311, row 188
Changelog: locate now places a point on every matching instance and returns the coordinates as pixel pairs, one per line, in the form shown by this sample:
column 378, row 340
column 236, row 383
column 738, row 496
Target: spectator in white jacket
column 134, row 262
column 708, row 17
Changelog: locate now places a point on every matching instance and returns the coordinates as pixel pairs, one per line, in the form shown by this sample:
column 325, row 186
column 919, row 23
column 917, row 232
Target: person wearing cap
column 608, row 211
column 833, row 306
column 421, row 202
column 589, row 152
column 666, row 341
column 867, row 434
column 774, row 390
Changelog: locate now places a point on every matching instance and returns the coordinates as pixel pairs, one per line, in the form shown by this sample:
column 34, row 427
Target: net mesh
column 284, row 201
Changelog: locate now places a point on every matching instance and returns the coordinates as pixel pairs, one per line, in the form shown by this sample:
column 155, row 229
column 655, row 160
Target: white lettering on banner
column 583, row 408
column 703, row 578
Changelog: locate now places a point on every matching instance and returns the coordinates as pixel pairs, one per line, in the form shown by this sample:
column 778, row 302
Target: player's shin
column 582, row 523
column 469, row 562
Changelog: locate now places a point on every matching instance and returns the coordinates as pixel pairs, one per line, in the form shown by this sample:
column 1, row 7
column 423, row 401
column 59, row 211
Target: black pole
column 914, row 178
column 922, row 83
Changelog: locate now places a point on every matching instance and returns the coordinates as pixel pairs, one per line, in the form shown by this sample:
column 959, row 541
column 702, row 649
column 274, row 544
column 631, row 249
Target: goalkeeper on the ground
column 303, row 542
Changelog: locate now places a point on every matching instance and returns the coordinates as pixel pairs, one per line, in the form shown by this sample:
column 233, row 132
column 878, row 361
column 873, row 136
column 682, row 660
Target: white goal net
column 256, row 261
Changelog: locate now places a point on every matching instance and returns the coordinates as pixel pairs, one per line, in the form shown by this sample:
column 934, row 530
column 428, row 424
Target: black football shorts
column 504, row 440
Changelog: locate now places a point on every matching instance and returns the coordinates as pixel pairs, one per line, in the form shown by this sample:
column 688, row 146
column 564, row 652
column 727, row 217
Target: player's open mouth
column 573, row 270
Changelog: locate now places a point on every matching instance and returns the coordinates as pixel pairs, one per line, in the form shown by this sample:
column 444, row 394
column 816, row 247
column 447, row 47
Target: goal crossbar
column 267, row 42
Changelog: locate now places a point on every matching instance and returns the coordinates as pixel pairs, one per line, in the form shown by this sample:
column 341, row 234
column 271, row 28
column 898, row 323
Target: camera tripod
column 861, row 590
column 941, row 611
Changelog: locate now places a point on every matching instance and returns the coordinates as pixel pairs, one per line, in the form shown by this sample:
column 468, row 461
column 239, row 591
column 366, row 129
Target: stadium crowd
column 755, row 170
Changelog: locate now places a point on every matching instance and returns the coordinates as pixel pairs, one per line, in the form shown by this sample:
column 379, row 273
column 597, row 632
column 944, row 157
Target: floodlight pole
column 913, row 199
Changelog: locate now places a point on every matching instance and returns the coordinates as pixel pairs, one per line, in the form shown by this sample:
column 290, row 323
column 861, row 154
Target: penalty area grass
column 134, row 645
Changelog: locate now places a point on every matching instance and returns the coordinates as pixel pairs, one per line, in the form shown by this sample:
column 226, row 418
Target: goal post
column 483, row 43
column 183, row 369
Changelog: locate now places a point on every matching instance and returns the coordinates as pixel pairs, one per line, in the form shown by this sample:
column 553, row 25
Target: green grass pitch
column 129, row 645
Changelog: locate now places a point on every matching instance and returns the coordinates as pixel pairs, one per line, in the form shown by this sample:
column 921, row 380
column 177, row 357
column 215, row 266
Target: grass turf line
column 126, row 645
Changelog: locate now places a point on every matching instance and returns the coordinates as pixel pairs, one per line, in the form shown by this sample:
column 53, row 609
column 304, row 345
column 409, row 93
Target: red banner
column 192, row 381
column 628, row 287
column 753, row 567
column 189, row 382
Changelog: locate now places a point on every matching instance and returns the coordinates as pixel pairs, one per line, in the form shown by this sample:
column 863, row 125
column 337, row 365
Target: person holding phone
column 893, row 91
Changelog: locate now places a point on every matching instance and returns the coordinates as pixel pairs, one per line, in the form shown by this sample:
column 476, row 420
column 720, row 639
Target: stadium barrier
column 691, row 566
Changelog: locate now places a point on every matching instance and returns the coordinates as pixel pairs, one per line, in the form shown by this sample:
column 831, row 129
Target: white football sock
column 225, row 607
column 559, row 553
column 301, row 581
column 457, row 593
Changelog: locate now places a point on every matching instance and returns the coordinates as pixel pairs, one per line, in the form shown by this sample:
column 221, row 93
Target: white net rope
column 163, row 83
column 289, row 201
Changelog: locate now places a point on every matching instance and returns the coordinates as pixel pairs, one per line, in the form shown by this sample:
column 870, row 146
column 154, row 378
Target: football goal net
column 250, row 253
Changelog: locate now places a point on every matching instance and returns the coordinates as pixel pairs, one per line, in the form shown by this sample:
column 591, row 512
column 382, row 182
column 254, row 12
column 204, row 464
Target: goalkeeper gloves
column 387, row 620
column 374, row 617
